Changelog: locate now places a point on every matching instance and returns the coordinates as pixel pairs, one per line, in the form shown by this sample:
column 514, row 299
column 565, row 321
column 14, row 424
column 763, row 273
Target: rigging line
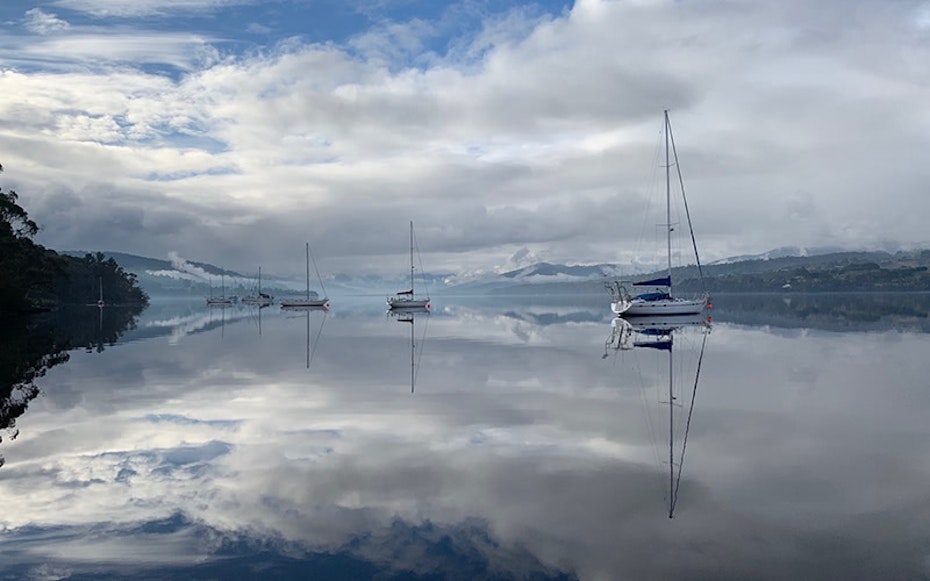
column 650, row 195
column 317, row 271
column 316, row 339
column 681, row 183
column 416, row 372
column 647, row 406
column 684, row 443
column 416, row 245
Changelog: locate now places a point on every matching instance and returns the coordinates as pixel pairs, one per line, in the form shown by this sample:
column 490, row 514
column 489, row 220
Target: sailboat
column 407, row 299
column 660, row 300
column 100, row 302
column 659, row 335
column 259, row 298
column 310, row 302
column 222, row 299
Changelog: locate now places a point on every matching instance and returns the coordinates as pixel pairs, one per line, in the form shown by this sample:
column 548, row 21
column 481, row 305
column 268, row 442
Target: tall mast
column 259, row 281
column 307, row 248
column 668, row 204
column 411, row 260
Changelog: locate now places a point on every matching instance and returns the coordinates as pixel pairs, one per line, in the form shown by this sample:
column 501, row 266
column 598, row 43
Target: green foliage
column 32, row 276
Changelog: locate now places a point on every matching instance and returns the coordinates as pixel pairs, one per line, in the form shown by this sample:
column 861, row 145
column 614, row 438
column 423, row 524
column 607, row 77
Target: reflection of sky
column 521, row 447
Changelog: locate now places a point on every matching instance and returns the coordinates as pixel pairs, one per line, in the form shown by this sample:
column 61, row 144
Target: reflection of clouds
column 542, row 444
column 183, row 325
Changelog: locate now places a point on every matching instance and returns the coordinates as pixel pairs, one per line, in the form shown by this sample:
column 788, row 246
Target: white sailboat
column 660, row 300
column 100, row 302
column 407, row 299
column 313, row 301
column 222, row 299
column 259, row 298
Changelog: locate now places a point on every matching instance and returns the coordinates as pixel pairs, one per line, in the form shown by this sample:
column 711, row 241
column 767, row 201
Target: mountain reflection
column 30, row 346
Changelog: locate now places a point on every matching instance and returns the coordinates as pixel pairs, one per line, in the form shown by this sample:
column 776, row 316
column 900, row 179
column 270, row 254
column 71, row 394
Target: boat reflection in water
column 409, row 315
column 658, row 334
column 307, row 311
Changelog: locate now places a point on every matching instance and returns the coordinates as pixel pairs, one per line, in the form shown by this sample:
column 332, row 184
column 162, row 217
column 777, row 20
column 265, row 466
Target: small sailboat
column 259, row 298
column 660, row 300
column 100, row 302
column 407, row 299
column 313, row 301
column 222, row 299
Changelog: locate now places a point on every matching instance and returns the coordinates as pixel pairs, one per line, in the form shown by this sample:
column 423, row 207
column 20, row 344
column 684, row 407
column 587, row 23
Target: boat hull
column 668, row 307
column 407, row 304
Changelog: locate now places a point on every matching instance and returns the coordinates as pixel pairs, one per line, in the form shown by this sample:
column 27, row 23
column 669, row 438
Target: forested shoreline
column 34, row 278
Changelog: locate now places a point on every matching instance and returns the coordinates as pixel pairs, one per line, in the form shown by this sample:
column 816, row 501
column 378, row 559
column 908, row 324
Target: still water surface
column 526, row 440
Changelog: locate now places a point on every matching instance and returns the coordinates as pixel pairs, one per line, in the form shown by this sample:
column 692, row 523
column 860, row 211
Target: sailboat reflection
column 659, row 335
column 308, row 310
column 409, row 315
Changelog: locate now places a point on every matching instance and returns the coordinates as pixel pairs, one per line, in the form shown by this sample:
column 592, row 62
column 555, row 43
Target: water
column 520, row 440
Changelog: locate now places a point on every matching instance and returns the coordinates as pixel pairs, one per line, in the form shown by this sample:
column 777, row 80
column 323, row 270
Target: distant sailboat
column 222, row 299
column 661, row 301
column 310, row 302
column 407, row 299
column 100, row 302
column 259, row 298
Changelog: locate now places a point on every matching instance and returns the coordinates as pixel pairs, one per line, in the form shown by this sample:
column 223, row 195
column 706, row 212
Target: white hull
column 397, row 304
column 667, row 307
column 305, row 304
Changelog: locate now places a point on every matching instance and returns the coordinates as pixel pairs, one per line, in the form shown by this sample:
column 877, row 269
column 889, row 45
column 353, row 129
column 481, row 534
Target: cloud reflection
column 514, row 458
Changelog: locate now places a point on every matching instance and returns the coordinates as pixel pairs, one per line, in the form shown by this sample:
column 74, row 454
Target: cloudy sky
column 231, row 131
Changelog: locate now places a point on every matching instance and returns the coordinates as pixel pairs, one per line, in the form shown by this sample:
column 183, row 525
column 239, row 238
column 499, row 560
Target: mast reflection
column 409, row 315
column 658, row 335
column 308, row 310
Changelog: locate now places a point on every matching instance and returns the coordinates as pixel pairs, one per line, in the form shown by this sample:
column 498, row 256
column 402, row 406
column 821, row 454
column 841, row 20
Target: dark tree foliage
column 25, row 355
column 33, row 277
column 31, row 345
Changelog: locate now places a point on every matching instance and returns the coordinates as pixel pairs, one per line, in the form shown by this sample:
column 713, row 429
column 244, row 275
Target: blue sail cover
column 665, row 281
column 653, row 297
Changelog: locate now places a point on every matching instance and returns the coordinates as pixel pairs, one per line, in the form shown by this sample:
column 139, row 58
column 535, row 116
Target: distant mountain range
column 780, row 269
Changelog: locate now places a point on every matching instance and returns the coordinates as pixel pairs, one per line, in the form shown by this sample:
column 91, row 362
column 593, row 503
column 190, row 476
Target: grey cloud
column 531, row 132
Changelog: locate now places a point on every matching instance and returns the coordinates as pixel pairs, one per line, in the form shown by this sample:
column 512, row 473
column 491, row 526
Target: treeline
column 856, row 277
column 34, row 278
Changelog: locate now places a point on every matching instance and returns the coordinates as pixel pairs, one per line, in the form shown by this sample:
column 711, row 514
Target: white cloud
column 535, row 130
column 138, row 8
column 41, row 22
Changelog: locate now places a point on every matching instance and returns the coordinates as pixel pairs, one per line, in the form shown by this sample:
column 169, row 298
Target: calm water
column 534, row 443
